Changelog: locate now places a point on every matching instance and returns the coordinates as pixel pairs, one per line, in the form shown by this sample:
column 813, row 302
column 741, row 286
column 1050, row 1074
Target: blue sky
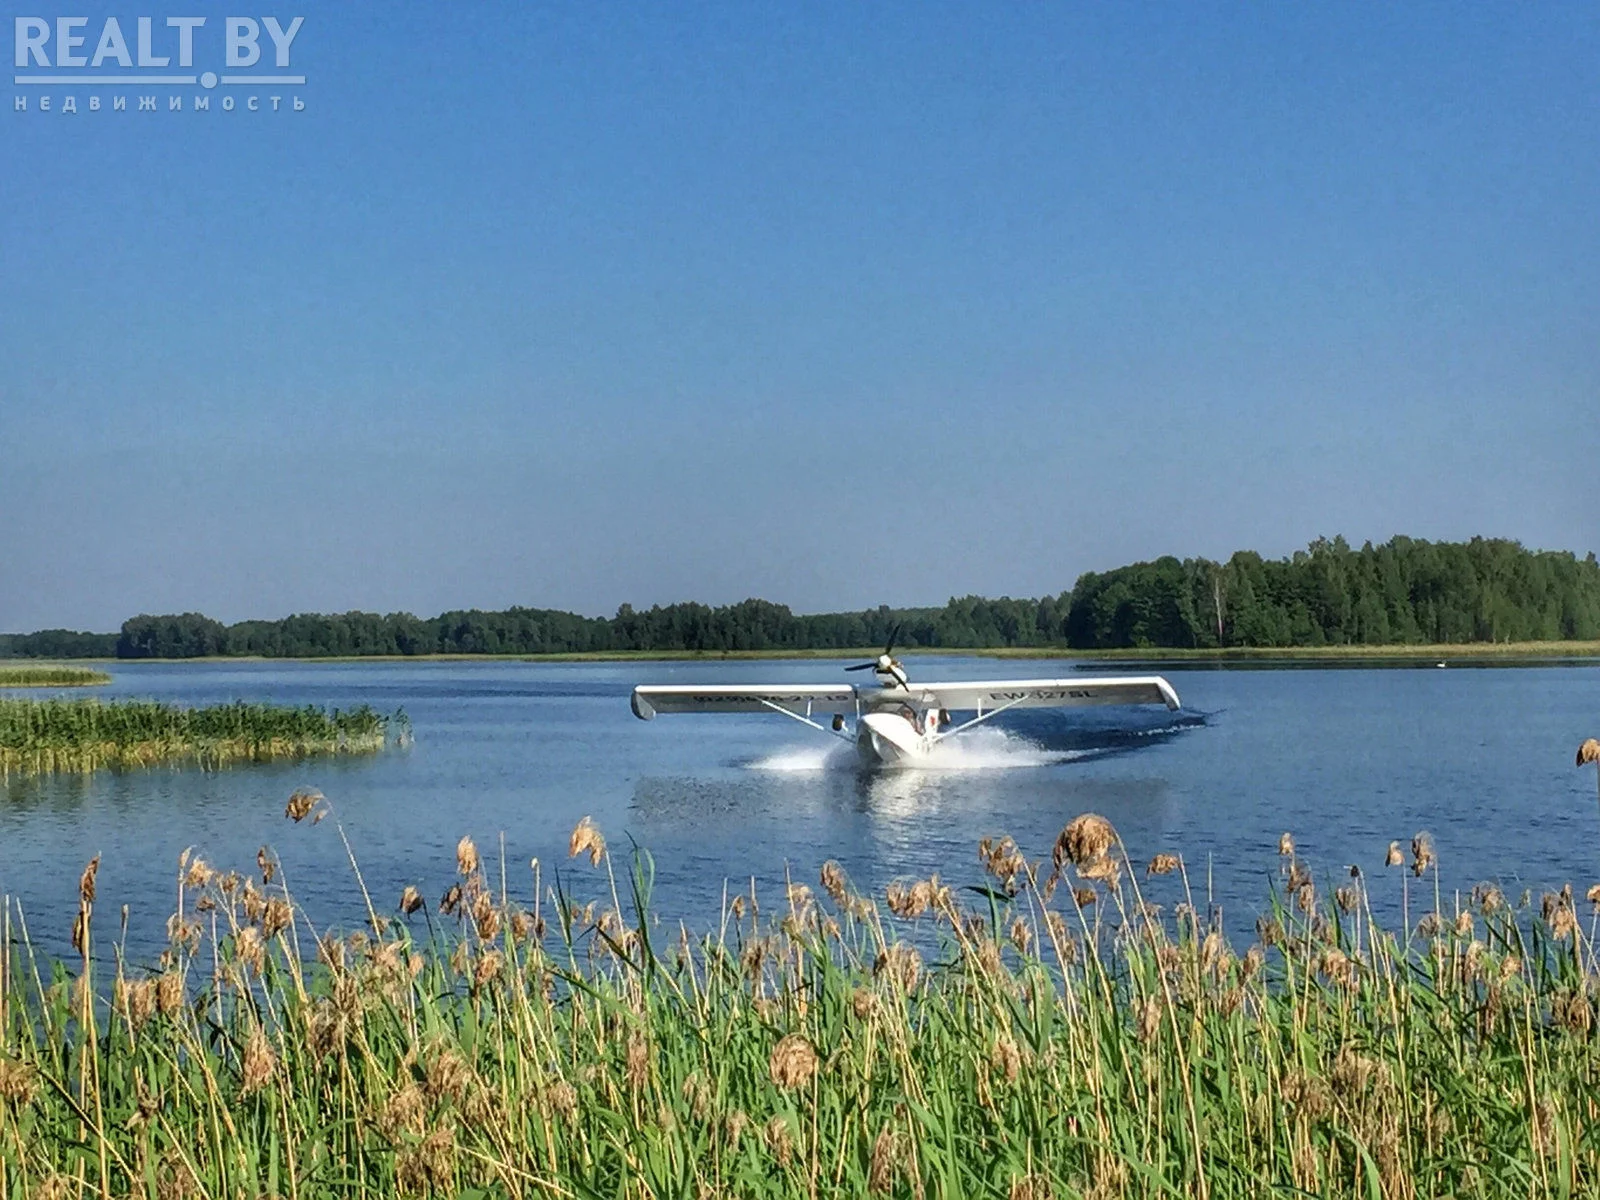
column 832, row 304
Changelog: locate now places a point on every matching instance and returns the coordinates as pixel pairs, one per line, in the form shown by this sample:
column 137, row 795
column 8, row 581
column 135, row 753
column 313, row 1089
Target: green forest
column 1404, row 591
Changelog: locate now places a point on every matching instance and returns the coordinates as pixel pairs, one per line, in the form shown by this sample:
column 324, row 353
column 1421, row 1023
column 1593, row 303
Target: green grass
column 42, row 737
column 1048, row 1035
column 50, row 675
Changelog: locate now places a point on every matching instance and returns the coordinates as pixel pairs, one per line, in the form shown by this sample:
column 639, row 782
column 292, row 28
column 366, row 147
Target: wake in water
column 1046, row 743
column 980, row 750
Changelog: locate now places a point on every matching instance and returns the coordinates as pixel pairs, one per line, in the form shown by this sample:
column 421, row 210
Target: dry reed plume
column 587, row 839
column 1589, row 752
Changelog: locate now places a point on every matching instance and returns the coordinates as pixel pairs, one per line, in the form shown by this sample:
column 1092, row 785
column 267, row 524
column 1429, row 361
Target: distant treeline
column 1403, row 591
column 58, row 643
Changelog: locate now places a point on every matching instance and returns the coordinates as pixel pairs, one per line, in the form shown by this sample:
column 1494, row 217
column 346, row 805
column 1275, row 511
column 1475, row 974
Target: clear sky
column 832, row 304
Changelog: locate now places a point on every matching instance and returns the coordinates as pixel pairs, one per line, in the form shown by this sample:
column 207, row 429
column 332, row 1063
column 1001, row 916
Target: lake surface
column 1347, row 759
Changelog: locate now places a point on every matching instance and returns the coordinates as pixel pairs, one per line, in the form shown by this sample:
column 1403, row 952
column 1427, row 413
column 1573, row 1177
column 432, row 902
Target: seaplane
column 895, row 722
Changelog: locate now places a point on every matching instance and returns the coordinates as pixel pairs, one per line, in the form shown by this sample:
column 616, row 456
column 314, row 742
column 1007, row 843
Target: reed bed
column 1051, row 1033
column 46, row 675
column 41, row 737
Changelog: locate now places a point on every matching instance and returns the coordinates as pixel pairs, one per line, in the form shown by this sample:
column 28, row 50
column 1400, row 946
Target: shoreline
column 1500, row 652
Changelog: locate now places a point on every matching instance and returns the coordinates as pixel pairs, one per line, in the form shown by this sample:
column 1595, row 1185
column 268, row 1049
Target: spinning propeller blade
column 887, row 656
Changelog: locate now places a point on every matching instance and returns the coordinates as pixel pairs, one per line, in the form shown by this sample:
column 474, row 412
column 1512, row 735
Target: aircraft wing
column 801, row 699
column 986, row 695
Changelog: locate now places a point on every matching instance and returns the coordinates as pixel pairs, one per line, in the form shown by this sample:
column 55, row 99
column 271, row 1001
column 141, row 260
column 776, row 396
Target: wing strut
column 977, row 720
column 806, row 720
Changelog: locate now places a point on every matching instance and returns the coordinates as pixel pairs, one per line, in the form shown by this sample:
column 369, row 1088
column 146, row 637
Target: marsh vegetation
column 42, row 737
column 49, row 675
column 1078, row 1025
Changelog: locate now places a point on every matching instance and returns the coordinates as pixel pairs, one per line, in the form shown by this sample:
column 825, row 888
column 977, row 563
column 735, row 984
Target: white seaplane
column 897, row 722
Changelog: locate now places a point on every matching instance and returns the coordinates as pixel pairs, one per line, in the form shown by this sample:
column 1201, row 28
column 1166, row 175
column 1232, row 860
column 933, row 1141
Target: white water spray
column 980, row 750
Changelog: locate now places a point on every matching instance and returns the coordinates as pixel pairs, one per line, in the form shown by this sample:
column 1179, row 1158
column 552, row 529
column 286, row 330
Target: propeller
column 884, row 662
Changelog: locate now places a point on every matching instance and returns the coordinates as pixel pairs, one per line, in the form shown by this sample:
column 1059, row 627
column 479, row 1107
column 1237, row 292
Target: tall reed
column 45, row 675
column 40, row 737
column 1050, row 1033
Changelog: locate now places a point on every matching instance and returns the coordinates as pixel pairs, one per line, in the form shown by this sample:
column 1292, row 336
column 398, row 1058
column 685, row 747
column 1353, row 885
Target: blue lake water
column 1346, row 759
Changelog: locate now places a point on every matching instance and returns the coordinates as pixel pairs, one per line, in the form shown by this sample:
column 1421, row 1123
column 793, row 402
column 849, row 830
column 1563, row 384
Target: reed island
column 52, row 736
